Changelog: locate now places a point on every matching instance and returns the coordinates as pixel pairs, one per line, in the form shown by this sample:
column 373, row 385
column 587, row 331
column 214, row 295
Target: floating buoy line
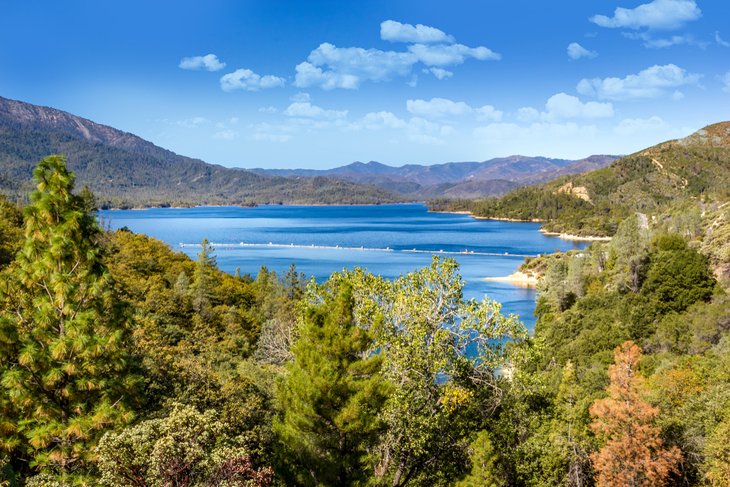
column 361, row 248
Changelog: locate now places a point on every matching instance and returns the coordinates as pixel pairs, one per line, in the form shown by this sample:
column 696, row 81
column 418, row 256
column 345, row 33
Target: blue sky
column 323, row 83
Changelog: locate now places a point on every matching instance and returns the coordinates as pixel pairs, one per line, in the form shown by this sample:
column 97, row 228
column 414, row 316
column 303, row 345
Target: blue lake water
column 321, row 240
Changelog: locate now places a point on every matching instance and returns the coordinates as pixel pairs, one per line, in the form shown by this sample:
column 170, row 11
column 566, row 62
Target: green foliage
column 11, row 231
column 330, row 396
column 484, row 467
column 440, row 353
column 677, row 275
column 185, row 448
column 66, row 371
column 652, row 181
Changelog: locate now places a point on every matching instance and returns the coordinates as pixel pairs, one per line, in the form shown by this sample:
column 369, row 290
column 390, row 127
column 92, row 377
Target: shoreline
column 576, row 238
column 517, row 278
column 158, row 207
column 563, row 236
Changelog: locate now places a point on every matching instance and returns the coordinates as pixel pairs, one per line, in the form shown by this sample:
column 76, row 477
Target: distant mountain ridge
column 123, row 169
column 454, row 179
column 673, row 176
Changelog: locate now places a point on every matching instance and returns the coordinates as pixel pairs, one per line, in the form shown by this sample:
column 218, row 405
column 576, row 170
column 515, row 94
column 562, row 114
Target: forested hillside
column 690, row 172
column 124, row 170
column 123, row 363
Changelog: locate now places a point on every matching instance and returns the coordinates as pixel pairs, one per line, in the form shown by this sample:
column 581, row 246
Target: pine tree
column 203, row 280
column 330, row 396
column 65, row 372
column 633, row 453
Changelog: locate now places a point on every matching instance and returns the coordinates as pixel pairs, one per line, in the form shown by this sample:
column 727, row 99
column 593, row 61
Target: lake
column 388, row 240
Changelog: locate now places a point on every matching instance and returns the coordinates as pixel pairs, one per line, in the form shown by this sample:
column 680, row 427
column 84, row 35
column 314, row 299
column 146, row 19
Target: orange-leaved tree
column 633, row 453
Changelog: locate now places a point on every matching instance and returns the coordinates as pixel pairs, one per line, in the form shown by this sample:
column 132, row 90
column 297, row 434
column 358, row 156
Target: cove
column 388, row 240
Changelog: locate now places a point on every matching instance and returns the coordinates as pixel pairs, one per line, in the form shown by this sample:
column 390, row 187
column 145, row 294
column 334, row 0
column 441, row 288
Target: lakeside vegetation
column 690, row 174
column 123, row 363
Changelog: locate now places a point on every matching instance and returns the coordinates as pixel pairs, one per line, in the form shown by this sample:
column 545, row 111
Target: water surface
column 320, row 240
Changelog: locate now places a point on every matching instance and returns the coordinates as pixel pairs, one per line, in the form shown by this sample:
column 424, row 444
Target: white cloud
column 576, row 51
column 380, row 120
column 653, row 82
column 720, row 40
column 209, row 62
column 527, row 114
column 443, row 108
column 268, row 109
column 725, row 78
column 393, row 31
column 437, row 108
column 659, row 14
column 304, row 109
column 561, row 106
column 331, row 67
column 664, row 42
column 634, row 126
column 488, row 113
column 347, row 67
column 451, row 54
column 226, row 135
column 245, row 79
column 439, row 73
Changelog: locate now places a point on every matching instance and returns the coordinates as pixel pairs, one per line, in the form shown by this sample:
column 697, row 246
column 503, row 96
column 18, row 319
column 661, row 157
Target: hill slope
column 454, row 179
column 693, row 169
column 123, row 169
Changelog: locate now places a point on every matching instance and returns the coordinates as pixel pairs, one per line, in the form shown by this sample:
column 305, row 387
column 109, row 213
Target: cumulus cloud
column 562, row 106
column 381, row 120
column 437, row 108
column 659, row 14
column 576, row 51
column 304, row 109
column 444, row 108
column 439, row 73
column 245, row 79
column 393, row 31
column 268, row 109
column 331, row 67
column 209, row 62
column 653, row 82
column 488, row 113
column 527, row 114
column 652, row 42
column 347, row 67
column 451, row 54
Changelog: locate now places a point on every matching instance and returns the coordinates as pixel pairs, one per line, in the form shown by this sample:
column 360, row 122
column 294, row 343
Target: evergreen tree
column 331, row 396
column 64, row 370
column 203, row 280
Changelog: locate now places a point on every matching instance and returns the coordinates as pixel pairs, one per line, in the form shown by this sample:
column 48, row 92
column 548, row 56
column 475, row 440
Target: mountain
column 123, row 169
column 453, row 179
column 690, row 177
